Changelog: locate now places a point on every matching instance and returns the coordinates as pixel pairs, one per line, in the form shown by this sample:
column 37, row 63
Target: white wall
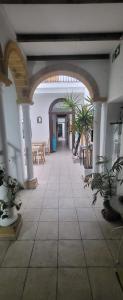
column 40, row 132
column 42, row 102
column 116, row 77
column 11, row 110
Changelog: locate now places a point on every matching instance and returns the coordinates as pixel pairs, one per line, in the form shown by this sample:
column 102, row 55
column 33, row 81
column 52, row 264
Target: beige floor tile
column 104, row 284
column 11, row 283
column 109, row 232
column 67, row 214
column 31, row 214
column 66, row 202
column 28, row 230
column 73, row 284
column 47, row 231
column 71, row 253
column 82, row 202
column 51, row 193
column 44, row 254
column 113, row 246
column 18, row 254
column 69, row 230
column 41, row 284
column 3, row 249
column 97, row 253
column 49, row 215
column 86, row 214
column 50, row 202
column 90, row 230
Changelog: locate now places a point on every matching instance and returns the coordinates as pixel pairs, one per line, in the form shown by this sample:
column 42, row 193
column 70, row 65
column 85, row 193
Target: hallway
column 65, row 249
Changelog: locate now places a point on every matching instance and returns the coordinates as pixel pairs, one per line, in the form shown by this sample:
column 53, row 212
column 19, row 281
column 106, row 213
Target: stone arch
column 15, row 61
column 68, row 70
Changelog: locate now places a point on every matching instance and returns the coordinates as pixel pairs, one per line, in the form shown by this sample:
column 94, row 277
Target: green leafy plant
column 83, row 121
column 105, row 182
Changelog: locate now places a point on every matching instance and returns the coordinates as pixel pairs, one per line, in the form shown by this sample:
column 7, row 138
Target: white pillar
column 96, row 134
column 103, row 129
column 28, row 142
column 3, row 131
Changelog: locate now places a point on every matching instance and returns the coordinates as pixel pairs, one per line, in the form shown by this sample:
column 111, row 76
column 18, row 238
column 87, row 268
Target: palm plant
column 105, row 182
column 83, row 122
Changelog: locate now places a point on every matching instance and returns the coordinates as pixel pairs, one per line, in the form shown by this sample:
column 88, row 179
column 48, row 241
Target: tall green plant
column 105, row 182
column 83, row 121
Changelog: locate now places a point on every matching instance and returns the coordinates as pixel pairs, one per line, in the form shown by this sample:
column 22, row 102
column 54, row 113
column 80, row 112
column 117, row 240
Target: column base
column 31, row 184
column 11, row 232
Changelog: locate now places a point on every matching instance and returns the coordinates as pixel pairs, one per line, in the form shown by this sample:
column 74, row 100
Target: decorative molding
column 68, row 57
column 68, row 37
column 23, row 96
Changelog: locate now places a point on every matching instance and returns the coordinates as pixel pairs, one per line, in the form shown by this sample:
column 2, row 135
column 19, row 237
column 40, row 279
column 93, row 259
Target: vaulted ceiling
column 51, row 31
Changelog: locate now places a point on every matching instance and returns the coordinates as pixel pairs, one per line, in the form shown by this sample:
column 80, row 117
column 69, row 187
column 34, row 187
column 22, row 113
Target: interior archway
column 68, row 70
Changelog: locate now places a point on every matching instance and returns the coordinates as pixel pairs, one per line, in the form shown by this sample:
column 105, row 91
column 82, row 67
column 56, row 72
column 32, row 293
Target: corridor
column 65, row 250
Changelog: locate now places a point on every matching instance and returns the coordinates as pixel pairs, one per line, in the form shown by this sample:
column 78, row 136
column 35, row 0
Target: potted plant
column 105, row 184
column 9, row 188
column 83, row 122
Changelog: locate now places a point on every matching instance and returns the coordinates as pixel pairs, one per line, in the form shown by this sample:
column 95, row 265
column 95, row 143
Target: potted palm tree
column 105, row 184
column 9, row 188
column 83, row 122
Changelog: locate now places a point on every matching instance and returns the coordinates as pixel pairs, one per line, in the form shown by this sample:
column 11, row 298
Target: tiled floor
column 65, row 249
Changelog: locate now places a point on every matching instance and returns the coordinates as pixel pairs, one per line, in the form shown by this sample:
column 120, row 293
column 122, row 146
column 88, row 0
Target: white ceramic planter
column 9, row 211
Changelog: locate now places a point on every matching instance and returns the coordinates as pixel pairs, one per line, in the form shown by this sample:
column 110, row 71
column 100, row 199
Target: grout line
column 86, row 266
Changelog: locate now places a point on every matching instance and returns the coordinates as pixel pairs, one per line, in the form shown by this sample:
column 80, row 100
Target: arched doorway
column 60, row 122
column 66, row 69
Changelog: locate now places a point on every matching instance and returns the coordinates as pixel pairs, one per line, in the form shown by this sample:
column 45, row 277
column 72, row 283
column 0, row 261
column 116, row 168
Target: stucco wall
column 40, row 132
column 116, row 77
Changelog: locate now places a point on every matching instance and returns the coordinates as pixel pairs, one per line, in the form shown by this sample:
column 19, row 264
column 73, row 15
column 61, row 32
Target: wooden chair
column 40, row 158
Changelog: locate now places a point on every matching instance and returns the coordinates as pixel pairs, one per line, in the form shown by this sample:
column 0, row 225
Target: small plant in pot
column 105, row 184
column 9, row 187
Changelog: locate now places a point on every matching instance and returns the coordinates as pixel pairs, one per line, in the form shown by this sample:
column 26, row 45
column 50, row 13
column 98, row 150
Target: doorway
column 60, row 119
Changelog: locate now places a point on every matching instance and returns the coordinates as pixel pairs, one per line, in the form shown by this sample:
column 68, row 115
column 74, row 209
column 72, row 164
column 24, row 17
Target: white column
column 28, row 142
column 96, row 134
column 3, row 131
column 103, row 129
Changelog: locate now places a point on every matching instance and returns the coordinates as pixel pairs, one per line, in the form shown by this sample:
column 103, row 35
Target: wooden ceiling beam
column 67, row 57
column 59, row 1
column 68, row 37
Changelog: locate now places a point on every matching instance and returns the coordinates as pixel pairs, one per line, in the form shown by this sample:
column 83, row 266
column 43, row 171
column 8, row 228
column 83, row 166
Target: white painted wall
column 11, row 110
column 116, row 77
column 42, row 102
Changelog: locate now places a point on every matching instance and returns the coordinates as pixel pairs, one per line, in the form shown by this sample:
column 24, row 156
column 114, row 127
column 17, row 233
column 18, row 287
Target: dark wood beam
column 59, row 1
column 67, row 37
column 67, row 57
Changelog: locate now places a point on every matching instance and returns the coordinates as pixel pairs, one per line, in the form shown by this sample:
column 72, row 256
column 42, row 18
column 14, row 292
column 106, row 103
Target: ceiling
column 71, row 18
